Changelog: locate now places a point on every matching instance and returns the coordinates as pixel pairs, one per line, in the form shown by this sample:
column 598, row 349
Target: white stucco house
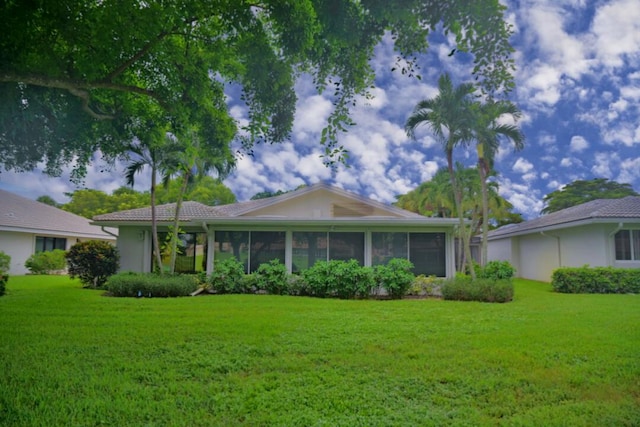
column 600, row 233
column 28, row 226
column 319, row 222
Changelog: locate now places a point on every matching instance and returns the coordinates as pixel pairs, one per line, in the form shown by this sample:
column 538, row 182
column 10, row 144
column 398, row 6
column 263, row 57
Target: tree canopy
column 580, row 191
column 82, row 76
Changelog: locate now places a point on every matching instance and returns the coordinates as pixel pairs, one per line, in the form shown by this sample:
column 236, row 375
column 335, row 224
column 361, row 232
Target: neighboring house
column 604, row 232
column 313, row 223
column 28, row 226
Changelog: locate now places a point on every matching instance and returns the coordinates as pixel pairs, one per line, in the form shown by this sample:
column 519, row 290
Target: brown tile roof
column 601, row 209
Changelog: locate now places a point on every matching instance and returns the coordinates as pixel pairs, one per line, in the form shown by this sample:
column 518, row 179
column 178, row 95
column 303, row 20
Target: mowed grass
column 72, row 357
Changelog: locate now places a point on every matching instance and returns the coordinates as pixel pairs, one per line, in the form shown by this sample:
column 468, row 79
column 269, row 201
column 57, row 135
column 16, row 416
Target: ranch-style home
column 604, row 232
column 28, row 226
column 313, row 223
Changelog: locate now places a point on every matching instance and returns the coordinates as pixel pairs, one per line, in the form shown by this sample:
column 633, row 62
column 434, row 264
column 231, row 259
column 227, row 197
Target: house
column 604, row 232
column 319, row 222
column 28, row 226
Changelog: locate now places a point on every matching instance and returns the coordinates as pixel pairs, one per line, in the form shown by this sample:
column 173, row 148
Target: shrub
column 272, row 277
column 93, row 262
column 319, row 278
column 4, row 278
column 5, row 262
column 429, row 286
column 352, row 280
column 46, row 262
column 228, row 277
column 151, row 285
column 596, row 280
column 497, row 270
column 395, row 277
column 483, row 290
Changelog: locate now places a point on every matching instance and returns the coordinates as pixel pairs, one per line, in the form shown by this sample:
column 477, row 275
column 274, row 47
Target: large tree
column 82, row 76
column 581, row 191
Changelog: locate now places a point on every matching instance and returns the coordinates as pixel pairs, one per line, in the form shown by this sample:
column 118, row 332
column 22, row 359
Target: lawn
column 72, row 357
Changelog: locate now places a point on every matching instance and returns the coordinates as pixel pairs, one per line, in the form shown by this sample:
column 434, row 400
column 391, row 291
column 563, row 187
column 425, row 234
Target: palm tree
column 449, row 115
column 489, row 132
column 155, row 154
column 191, row 161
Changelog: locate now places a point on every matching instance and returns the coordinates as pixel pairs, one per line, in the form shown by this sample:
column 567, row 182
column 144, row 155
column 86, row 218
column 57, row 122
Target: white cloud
column 616, row 28
column 522, row 165
column 578, row 144
column 629, row 170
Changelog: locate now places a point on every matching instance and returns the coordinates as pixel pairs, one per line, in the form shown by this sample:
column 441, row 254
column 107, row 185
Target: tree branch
column 145, row 49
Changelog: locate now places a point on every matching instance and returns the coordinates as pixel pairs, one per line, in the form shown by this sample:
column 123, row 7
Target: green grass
column 72, row 357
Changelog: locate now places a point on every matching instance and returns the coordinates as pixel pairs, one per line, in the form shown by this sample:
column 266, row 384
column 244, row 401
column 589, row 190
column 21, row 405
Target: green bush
column 151, row 285
column 596, row 280
column 46, row 262
column 93, row 262
column 228, row 277
column 342, row 279
column 4, row 278
column 5, row 262
column 395, row 277
column 320, row 279
column 272, row 277
column 483, row 290
column 426, row 286
column 497, row 270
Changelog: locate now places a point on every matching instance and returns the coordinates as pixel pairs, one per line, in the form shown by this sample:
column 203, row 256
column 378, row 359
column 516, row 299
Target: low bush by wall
column 596, row 280
column 462, row 288
column 150, row 285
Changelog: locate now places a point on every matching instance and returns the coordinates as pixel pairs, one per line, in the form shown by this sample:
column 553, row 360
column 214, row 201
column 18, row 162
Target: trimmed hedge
column 596, row 280
column 150, row 285
column 462, row 288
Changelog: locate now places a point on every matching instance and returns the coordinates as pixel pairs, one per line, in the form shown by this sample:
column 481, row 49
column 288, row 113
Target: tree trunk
column 154, row 223
column 176, row 224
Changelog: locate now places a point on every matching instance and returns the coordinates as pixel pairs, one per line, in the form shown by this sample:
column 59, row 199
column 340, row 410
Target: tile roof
column 601, row 209
column 23, row 214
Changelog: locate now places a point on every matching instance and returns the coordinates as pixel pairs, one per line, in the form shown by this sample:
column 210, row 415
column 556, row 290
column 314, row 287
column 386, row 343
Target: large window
column 192, row 252
column 232, row 244
column 627, row 244
column 308, row 248
column 427, row 253
column 266, row 246
column 386, row 246
column 344, row 246
column 44, row 244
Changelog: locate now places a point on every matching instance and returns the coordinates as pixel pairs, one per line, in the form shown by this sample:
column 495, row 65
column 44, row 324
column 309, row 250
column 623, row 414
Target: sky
column 577, row 85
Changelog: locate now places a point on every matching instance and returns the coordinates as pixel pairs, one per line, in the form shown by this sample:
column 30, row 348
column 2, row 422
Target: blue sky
column 577, row 83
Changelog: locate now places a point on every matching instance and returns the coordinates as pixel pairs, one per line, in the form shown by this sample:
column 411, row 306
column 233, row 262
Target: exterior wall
column 317, row 205
column 134, row 245
column 19, row 246
column 586, row 245
column 503, row 250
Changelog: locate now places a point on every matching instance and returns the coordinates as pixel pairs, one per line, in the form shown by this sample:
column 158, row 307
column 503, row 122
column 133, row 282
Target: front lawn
column 70, row 356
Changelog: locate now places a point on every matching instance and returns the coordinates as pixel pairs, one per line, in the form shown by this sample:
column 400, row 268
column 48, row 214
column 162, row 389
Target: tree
column 87, row 76
column 93, row 262
column 206, row 190
column 450, row 116
column 48, row 200
column 580, row 191
column 489, row 132
column 89, row 202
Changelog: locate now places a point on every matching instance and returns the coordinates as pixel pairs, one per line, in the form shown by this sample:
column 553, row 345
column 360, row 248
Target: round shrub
column 5, row 262
column 497, row 270
column 228, row 277
column 395, row 277
column 93, row 262
column 272, row 277
column 46, row 262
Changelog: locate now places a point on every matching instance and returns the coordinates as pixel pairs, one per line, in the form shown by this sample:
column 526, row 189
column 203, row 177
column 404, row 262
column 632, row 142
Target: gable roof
column 25, row 215
column 600, row 210
column 351, row 207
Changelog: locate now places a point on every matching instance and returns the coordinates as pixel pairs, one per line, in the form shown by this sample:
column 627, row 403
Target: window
column 266, row 246
column 192, row 252
column 44, row 244
column 308, row 248
column 232, row 244
column 627, row 243
column 427, row 253
column 345, row 246
column 386, row 246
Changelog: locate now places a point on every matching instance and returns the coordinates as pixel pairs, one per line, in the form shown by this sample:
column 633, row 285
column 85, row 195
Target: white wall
column 19, row 246
column 135, row 249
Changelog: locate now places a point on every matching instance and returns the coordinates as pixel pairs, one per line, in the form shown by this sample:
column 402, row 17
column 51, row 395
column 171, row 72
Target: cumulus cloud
column 578, row 144
column 522, row 165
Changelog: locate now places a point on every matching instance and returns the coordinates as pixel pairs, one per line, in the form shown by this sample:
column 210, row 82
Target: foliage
column 48, row 200
column 93, row 262
column 342, row 279
column 122, row 70
column 481, row 289
column 395, row 277
column 205, row 189
column 426, row 286
column 89, row 203
column 497, row 270
column 272, row 277
column 596, row 280
column 228, row 277
column 5, row 262
column 580, row 191
column 46, row 262
column 150, row 285
column 4, row 278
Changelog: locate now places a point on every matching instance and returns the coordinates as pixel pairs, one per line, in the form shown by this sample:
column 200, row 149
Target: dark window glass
column 308, row 248
column 232, row 244
column 635, row 241
column 44, row 244
column 623, row 245
column 346, row 246
column 386, row 246
column 191, row 252
column 266, row 246
column 427, row 253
